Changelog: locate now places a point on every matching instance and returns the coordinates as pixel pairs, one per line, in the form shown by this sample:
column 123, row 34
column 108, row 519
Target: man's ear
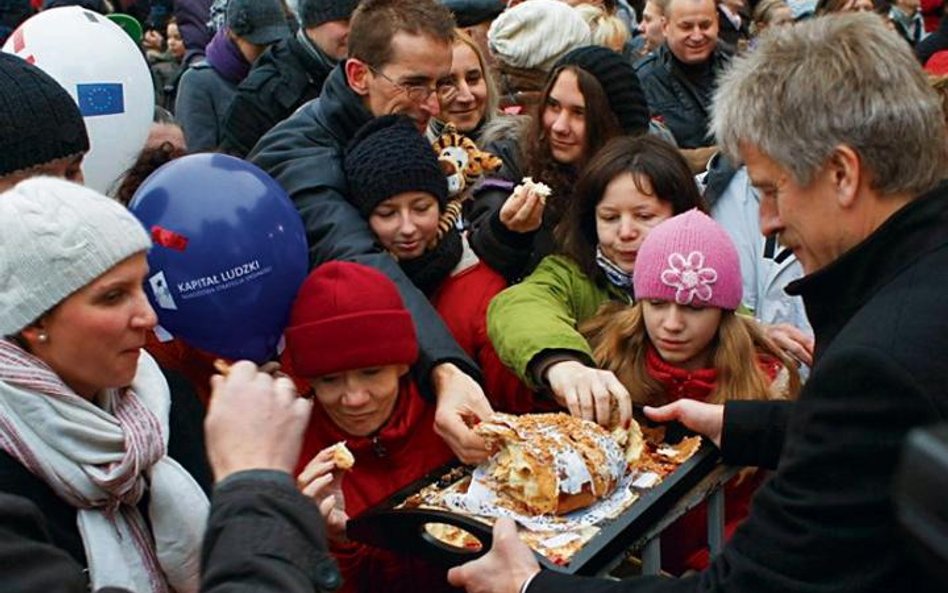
column 357, row 73
column 845, row 170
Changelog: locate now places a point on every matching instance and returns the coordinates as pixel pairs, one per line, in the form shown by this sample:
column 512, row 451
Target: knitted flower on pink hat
column 689, row 259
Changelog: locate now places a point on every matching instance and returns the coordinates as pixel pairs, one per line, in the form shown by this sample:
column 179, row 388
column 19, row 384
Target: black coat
column 283, row 78
column 826, row 521
column 304, row 154
column 673, row 95
column 262, row 536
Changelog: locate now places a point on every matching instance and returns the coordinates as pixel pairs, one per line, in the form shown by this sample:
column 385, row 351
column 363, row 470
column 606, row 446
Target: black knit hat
column 316, row 12
column 389, row 156
column 618, row 80
column 39, row 121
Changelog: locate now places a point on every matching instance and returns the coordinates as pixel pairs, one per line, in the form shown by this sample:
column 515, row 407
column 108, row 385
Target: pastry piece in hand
column 549, row 464
column 541, row 189
column 342, row 456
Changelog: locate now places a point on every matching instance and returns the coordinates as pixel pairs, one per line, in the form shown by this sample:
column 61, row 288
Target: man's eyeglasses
column 446, row 89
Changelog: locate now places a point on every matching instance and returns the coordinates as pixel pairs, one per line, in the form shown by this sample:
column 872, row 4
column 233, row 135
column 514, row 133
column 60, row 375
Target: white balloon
column 105, row 74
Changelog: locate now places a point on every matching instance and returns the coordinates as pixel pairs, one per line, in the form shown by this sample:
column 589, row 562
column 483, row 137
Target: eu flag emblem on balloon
column 104, row 98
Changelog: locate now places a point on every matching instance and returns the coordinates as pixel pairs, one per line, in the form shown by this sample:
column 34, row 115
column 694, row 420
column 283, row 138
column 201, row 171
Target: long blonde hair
column 619, row 341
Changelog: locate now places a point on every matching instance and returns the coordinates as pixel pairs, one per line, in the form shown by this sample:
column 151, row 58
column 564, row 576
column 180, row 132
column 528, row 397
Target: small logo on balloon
column 159, row 286
column 104, row 98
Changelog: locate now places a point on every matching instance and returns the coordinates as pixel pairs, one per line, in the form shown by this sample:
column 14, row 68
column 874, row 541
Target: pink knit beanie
column 689, row 259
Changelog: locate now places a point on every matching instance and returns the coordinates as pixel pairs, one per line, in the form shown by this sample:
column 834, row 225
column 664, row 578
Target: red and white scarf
column 100, row 457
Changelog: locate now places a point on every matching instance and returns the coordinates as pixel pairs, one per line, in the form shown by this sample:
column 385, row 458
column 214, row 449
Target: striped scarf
column 100, row 459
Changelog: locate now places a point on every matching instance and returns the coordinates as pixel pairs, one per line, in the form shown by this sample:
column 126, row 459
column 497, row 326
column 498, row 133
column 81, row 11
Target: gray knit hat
column 39, row 121
column 258, row 21
column 55, row 238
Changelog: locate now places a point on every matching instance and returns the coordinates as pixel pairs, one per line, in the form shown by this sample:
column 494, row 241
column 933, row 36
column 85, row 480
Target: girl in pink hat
column 684, row 339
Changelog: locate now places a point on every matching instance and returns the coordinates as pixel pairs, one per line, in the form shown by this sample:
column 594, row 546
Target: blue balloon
column 229, row 256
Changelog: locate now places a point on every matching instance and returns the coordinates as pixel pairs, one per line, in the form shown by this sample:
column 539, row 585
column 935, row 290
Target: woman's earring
column 43, row 337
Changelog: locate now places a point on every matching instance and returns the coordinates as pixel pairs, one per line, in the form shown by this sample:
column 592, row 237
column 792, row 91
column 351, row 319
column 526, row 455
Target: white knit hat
column 537, row 33
column 55, row 238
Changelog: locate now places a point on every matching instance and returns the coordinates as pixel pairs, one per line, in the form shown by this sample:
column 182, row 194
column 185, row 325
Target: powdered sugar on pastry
column 541, row 189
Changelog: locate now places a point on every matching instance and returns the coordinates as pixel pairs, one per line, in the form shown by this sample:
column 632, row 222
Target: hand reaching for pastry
column 589, row 393
column 504, row 569
column 522, row 212
column 321, row 480
column 705, row 419
column 461, row 402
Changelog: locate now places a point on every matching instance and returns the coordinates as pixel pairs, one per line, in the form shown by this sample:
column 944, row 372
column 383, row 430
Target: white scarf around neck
column 101, row 460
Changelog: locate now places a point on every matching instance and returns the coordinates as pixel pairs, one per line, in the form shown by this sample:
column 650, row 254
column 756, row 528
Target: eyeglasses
column 416, row 93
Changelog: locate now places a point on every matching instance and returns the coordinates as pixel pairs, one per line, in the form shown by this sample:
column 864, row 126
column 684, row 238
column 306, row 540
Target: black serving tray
column 403, row 530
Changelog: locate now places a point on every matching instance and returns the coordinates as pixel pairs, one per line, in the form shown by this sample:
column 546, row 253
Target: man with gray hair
column 845, row 141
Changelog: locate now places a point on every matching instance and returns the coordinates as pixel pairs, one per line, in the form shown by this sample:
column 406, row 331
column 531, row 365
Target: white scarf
column 101, row 460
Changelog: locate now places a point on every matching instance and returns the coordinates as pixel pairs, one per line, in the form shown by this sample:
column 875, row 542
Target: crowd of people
column 729, row 212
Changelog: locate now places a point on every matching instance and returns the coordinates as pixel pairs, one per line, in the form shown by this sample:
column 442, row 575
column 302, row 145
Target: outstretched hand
column 461, row 403
column 589, row 393
column 705, row 419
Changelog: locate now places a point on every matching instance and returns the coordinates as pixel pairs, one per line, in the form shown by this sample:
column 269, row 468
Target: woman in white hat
column 84, row 412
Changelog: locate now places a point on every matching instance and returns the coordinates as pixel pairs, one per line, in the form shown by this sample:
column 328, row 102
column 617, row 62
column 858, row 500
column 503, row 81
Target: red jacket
column 685, row 542
column 402, row 451
column 462, row 301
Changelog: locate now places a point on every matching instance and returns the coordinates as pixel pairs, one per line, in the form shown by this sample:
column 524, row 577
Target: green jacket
column 542, row 314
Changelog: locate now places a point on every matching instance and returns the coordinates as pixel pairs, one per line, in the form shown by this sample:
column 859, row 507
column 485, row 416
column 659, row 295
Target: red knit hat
column 348, row 316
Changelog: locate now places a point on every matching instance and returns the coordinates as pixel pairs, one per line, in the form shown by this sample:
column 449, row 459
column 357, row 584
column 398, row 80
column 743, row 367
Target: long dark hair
column 601, row 126
column 644, row 157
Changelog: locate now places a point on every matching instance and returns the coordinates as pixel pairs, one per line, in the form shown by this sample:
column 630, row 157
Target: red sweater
column 685, row 542
column 402, row 451
column 462, row 301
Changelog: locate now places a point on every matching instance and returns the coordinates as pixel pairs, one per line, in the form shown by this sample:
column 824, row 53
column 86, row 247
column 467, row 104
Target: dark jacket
column 185, row 445
column 681, row 95
column 203, row 99
column 262, row 536
column 826, row 520
column 304, row 154
column 730, row 34
column 283, row 78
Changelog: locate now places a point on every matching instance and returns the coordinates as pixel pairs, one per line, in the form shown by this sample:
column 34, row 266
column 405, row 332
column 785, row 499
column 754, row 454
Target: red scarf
column 698, row 384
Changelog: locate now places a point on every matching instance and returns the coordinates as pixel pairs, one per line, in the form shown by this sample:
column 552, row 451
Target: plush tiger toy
column 461, row 159
column 463, row 164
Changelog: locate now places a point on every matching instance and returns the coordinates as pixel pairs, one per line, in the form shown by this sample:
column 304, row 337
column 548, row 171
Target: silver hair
column 837, row 80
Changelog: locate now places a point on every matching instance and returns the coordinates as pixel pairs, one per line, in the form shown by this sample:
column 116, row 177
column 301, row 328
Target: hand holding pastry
column 522, row 212
column 321, row 481
column 253, row 421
